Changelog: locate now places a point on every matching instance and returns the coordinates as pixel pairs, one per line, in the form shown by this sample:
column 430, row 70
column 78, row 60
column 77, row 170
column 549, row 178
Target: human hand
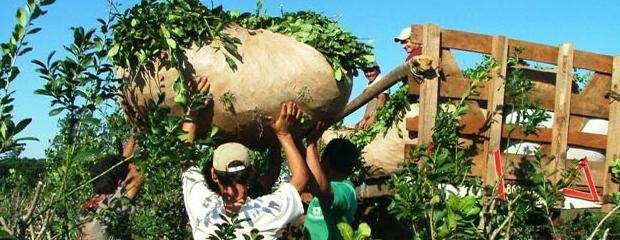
column 200, row 93
column 289, row 114
column 317, row 132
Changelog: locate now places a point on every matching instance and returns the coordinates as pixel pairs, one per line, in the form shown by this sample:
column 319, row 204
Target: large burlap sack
column 274, row 68
column 385, row 154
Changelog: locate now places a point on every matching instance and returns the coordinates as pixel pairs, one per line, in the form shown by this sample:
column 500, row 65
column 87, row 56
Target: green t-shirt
column 321, row 221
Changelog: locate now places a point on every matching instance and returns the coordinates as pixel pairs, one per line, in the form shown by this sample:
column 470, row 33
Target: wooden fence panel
column 553, row 90
column 564, row 80
column 429, row 86
column 495, row 106
column 613, row 130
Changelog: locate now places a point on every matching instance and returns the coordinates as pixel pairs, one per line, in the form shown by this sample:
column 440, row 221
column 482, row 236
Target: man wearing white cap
column 231, row 172
column 404, row 38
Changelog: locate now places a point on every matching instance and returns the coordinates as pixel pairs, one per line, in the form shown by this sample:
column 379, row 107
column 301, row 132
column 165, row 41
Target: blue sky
column 590, row 25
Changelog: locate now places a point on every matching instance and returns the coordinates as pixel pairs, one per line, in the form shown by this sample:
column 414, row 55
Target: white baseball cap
column 228, row 153
column 403, row 35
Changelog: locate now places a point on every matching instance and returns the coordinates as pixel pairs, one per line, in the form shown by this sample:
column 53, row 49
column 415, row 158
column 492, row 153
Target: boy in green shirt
column 335, row 199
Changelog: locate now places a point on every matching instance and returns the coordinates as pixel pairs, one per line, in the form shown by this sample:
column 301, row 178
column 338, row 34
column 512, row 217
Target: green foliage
column 420, row 197
column 83, row 77
column 31, row 169
column 153, row 29
column 388, row 114
column 529, row 114
column 227, row 99
column 363, row 231
column 579, row 224
column 16, row 47
column 342, row 50
column 481, row 70
column 580, row 79
column 614, row 169
column 226, row 230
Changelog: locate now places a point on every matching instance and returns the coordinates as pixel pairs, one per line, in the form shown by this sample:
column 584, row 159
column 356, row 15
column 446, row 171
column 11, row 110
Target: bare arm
column 134, row 179
column 201, row 86
column 129, row 147
column 287, row 117
column 321, row 187
column 134, row 182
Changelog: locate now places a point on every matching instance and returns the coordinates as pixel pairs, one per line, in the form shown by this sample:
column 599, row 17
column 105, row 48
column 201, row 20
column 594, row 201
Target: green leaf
column 21, row 15
column 345, row 230
column 21, row 125
column 180, row 99
column 113, row 51
column 364, row 230
column 47, row 2
column 24, row 51
column 56, row 111
column 90, row 120
column 171, row 43
column 34, row 30
column 338, row 74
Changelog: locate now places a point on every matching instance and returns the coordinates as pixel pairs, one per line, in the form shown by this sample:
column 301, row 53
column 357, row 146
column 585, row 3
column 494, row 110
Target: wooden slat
column 496, row 105
column 481, row 43
column 593, row 61
column 564, row 80
column 542, row 135
column 613, row 131
column 534, row 51
column 429, row 86
column 466, row 41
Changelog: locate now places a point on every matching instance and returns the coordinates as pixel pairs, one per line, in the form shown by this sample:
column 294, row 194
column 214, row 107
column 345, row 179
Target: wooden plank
column 496, row 106
column 564, row 80
column 542, row 135
column 613, row 131
column 450, row 69
column 534, row 51
column 420, row 65
column 593, row 61
column 481, row 43
column 429, row 87
column 466, row 41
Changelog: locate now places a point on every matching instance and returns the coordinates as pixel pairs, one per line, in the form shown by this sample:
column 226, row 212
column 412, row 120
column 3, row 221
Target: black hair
column 372, row 68
column 108, row 182
column 341, row 155
column 243, row 177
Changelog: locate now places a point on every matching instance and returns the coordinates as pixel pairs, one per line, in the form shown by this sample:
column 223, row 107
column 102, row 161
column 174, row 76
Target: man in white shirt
column 231, row 172
column 372, row 73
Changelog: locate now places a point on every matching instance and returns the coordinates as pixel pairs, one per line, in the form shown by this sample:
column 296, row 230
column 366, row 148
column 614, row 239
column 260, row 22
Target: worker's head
column 232, row 170
column 112, row 177
column 339, row 158
column 371, row 71
column 405, row 40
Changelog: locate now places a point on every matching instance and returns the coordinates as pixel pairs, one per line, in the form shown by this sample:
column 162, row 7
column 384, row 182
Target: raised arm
column 320, row 186
column 201, row 86
column 289, row 113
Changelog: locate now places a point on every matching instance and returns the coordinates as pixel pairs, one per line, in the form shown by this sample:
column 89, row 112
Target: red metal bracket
column 501, row 188
column 593, row 194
